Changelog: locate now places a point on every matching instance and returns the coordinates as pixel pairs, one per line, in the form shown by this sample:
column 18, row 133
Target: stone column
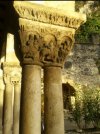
column 1, row 108
column 54, row 116
column 8, row 108
column 31, row 100
column 30, row 122
column 2, row 87
column 53, row 98
column 46, row 36
column 16, row 108
column 12, row 72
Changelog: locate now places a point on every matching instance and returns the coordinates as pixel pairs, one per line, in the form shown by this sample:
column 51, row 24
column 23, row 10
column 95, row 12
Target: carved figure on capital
column 30, row 44
column 65, row 46
column 55, row 51
column 48, row 51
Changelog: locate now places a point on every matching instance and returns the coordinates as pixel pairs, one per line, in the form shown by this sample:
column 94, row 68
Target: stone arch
column 68, row 93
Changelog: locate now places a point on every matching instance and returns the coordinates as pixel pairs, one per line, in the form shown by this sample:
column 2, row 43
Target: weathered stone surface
column 49, row 15
column 31, row 100
column 10, row 49
column 2, row 87
column 11, row 74
column 16, row 107
column 84, row 65
column 53, row 101
column 8, row 109
column 47, row 36
column 44, row 44
column 67, row 5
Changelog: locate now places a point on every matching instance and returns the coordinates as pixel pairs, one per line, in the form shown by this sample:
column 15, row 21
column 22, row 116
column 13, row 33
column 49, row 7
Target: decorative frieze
column 43, row 28
column 49, row 15
column 44, row 44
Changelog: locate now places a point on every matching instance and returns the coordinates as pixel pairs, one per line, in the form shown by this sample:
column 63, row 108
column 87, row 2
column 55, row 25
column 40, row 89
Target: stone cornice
column 48, row 15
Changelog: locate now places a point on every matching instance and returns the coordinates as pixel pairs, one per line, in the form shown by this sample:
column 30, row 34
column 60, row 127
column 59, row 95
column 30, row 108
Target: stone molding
column 12, row 73
column 44, row 44
column 49, row 15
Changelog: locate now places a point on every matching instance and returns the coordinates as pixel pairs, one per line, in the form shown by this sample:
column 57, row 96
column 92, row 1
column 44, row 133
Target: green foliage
column 92, row 24
column 77, row 109
column 91, row 107
column 98, row 64
column 87, row 108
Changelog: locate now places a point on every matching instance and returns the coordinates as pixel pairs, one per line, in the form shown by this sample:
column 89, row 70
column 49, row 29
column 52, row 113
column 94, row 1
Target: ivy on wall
column 92, row 25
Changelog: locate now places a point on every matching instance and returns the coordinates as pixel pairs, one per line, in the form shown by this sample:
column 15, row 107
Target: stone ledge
column 49, row 15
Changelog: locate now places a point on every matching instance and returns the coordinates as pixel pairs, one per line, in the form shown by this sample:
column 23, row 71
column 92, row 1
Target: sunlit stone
column 63, row 5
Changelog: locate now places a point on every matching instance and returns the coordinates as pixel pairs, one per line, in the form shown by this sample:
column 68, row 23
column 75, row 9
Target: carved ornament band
column 49, row 15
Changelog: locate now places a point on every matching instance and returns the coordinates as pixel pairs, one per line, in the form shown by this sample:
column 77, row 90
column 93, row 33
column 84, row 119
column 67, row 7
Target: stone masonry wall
column 83, row 65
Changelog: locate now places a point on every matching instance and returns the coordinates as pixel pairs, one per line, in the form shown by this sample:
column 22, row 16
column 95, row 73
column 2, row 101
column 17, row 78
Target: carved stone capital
column 46, row 33
column 55, row 50
column 44, row 44
column 12, row 73
column 31, row 43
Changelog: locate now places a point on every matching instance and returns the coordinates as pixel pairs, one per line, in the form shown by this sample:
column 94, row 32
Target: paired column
column 49, row 49
column 12, row 76
column 53, row 101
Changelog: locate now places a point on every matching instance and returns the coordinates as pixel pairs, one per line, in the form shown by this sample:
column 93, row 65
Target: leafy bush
column 77, row 109
column 84, row 33
column 91, row 107
column 92, row 25
column 87, row 108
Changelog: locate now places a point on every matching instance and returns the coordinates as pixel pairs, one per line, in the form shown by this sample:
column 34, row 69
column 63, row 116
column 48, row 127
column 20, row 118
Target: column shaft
column 53, row 101
column 31, row 100
column 1, row 108
column 8, row 109
column 16, row 111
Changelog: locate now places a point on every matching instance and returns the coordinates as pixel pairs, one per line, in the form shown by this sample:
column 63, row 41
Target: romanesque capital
column 44, row 44
column 12, row 73
column 46, row 34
